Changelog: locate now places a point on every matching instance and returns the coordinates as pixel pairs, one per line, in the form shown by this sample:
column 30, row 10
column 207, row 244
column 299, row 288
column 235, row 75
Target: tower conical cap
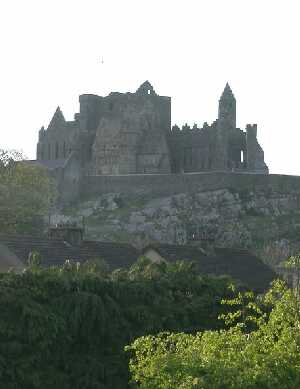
column 227, row 92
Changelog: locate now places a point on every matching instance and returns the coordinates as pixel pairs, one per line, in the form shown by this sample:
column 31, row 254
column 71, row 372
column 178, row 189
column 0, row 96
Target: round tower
column 227, row 109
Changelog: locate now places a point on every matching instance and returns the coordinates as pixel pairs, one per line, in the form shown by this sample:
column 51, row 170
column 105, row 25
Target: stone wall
column 169, row 184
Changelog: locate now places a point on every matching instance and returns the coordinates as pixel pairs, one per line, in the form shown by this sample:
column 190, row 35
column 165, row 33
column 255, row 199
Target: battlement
column 194, row 129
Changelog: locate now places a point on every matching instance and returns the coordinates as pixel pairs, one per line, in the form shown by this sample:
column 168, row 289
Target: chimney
column 68, row 232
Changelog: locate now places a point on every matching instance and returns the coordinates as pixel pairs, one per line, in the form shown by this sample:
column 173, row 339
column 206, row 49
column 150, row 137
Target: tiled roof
column 237, row 263
column 179, row 252
column 245, row 266
column 56, row 252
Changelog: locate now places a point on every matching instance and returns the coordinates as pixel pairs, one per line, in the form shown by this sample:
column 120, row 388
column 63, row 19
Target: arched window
column 56, row 150
column 49, row 151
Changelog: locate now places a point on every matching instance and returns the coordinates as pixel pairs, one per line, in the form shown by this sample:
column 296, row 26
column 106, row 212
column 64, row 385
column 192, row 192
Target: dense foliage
column 67, row 328
column 26, row 193
column 266, row 357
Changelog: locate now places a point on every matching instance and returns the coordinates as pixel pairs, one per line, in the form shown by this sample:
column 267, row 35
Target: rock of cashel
column 134, row 178
column 131, row 134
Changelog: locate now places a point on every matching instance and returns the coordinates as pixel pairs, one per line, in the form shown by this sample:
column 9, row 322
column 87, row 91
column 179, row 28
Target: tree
column 267, row 357
column 26, row 193
column 66, row 328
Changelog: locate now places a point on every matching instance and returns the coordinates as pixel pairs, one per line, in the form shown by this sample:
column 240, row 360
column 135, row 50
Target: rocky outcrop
column 267, row 222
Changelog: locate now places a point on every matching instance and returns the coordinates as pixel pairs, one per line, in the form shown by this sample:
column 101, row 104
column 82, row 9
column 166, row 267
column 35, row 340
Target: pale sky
column 51, row 52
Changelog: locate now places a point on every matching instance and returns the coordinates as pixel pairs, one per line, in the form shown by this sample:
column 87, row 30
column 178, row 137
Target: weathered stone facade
column 123, row 133
column 130, row 133
column 219, row 146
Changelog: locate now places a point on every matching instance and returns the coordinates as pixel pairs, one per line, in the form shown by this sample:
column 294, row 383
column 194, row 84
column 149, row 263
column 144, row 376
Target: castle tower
column 227, row 109
column 225, row 124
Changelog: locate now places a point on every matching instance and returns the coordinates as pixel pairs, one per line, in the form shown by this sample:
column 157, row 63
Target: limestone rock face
column 267, row 222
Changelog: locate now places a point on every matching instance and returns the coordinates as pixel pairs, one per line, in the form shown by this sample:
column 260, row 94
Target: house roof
column 172, row 253
column 55, row 252
column 236, row 263
column 239, row 264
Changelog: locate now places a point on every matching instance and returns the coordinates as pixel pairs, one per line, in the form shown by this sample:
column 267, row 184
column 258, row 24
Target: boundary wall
column 168, row 184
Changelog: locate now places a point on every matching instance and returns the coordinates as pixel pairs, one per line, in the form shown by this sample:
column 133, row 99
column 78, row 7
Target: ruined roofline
column 139, row 91
column 114, row 94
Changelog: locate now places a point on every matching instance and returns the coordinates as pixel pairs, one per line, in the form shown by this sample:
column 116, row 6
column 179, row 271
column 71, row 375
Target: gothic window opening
column 242, row 156
column 83, row 152
column 56, row 150
column 49, row 151
column 149, row 92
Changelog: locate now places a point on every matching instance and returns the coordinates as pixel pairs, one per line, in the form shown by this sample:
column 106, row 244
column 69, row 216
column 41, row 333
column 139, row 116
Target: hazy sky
column 51, row 52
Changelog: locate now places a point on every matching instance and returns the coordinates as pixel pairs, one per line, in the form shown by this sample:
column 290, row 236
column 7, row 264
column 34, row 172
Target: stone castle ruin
column 131, row 133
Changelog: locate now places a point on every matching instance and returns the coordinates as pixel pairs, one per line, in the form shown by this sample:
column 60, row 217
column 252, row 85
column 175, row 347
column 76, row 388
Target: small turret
column 227, row 109
column 42, row 133
column 89, row 116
